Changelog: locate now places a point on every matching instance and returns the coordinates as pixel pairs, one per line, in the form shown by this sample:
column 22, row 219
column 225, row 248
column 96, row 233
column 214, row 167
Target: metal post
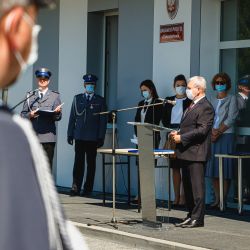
column 129, row 180
column 113, row 164
column 240, row 185
column 221, row 183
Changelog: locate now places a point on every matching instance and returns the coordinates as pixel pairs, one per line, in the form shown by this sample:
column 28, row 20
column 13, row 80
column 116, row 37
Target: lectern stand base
column 152, row 224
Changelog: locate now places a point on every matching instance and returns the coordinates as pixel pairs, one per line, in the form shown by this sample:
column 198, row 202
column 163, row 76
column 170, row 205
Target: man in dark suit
column 88, row 130
column 193, row 143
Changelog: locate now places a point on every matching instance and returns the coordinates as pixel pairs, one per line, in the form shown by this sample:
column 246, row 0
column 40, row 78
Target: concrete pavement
column 226, row 230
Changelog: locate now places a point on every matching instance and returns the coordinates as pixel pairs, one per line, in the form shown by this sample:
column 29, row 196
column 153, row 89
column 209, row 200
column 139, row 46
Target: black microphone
column 30, row 93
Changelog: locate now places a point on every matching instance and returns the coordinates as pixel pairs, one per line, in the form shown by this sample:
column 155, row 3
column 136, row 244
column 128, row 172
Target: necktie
column 41, row 95
column 189, row 108
column 88, row 98
column 145, row 108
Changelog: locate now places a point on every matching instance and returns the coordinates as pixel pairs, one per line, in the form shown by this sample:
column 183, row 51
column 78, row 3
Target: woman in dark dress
column 151, row 114
column 171, row 118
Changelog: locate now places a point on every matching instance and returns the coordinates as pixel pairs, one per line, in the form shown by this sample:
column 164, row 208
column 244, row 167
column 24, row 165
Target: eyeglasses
column 220, row 83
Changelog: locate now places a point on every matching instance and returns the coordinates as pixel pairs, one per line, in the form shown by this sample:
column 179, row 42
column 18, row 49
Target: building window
column 235, row 38
column 235, row 20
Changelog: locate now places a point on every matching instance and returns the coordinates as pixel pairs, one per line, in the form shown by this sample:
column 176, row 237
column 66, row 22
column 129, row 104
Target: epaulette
column 54, row 91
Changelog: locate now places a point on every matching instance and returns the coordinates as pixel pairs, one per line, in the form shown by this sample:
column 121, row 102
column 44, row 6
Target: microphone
column 167, row 101
column 30, row 94
column 33, row 92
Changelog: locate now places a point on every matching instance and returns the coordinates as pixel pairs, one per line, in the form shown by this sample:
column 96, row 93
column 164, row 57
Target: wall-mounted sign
column 172, row 32
column 172, row 8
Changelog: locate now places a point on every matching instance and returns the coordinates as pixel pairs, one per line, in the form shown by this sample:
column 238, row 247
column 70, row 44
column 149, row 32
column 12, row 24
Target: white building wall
column 72, row 66
column 210, row 37
column 17, row 92
column 171, row 59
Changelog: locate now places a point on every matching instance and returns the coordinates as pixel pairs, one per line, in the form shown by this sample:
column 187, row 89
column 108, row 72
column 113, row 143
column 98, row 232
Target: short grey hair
column 6, row 5
column 199, row 81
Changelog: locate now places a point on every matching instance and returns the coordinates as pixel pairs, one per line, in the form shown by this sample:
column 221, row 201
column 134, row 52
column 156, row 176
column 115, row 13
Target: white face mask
column 33, row 55
column 181, row 90
column 190, row 94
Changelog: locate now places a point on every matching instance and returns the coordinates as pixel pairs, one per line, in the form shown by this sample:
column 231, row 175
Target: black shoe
column 215, row 205
column 193, row 223
column 85, row 193
column 184, row 222
column 74, row 193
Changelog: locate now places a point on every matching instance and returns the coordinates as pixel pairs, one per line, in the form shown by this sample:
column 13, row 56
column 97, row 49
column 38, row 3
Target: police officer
column 30, row 214
column 43, row 108
column 243, row 121
column 88, row 131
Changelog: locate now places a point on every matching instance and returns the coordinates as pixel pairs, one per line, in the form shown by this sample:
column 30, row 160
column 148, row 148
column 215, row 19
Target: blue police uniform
column 44, row 124
column 88, row 130
column 243, row 141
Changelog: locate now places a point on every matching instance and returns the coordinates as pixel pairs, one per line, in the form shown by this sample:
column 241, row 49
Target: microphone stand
column 26, row 98
column 114, row 114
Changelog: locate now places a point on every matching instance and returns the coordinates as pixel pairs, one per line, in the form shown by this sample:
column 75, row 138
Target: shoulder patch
column 55, row 92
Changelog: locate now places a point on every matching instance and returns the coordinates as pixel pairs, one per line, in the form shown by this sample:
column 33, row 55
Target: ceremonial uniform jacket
column 44, row 125
column 83, row 123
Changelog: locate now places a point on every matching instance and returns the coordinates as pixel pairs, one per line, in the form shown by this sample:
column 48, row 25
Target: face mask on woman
column 146, row 94
column 220, row 88
column 181, row 90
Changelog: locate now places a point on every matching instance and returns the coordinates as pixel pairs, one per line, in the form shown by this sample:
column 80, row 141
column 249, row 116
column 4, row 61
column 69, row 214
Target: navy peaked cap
column 90, row 78
column 245, row 81
column 43, row 72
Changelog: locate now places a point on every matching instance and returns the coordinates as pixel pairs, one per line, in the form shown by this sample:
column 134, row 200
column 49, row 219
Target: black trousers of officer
column 49, row 148
column 82, row 148
column 194, row 189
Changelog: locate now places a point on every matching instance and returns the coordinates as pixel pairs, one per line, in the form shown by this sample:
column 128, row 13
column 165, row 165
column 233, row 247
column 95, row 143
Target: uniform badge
column 172, row 8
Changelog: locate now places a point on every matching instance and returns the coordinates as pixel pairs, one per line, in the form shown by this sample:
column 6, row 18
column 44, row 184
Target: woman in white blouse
column 171, row 118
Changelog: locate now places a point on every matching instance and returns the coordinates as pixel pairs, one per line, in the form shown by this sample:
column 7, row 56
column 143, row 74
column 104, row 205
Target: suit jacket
column 195, row 130
column 244, row 111
column 228, row 111
column 18, row 173
column 167, row 110
column 83, row 123
column 241, row 102
column 153, row 114
column 44, row 125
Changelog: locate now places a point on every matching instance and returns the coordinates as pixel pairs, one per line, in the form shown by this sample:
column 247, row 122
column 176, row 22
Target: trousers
column 82, row 149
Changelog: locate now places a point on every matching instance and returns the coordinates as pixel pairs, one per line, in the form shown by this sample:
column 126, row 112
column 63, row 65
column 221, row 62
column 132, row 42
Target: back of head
column 6, row 5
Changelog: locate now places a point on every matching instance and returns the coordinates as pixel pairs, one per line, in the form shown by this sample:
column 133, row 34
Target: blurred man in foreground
column 30, row 213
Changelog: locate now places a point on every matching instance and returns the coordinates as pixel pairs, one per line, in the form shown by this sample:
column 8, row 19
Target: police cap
column 90, row 78
column 244, row 81
column 43, row 72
